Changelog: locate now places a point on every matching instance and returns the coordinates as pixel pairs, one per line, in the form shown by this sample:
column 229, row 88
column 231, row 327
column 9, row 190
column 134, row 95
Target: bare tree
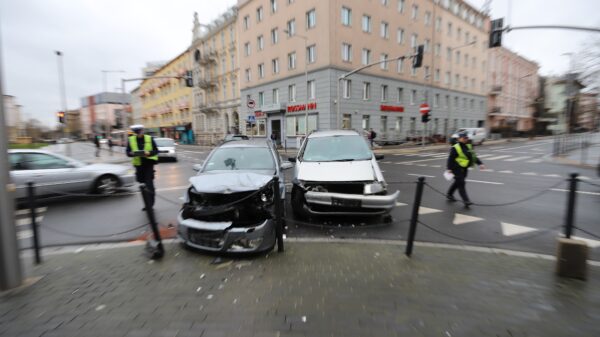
column 587, row 63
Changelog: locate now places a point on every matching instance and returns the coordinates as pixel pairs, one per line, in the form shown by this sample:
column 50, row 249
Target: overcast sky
column 96, row 35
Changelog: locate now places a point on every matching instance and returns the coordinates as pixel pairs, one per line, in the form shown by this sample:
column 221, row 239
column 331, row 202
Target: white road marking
column 484, row 155
column 590, row 242
column 511, row 230
column 420, row 175
column 584, row 178
column 498, row 157
column 460, row 219
column 426, row 210
column 188, row 151
column 488, row 170
column 552, row 175
column 580, row 192
column 400, row 204
column 517, row 158
column 484, row 182
column 26, row 234
column 387, row 162
column 535, row 161
column 434, row 165
column 26, row 211
column 529, row 174
column 422, row 165
column 27, row 221
column 505, row 171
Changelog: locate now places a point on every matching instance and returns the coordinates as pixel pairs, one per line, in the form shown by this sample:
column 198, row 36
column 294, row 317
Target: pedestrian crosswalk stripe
column 434, row 165
column 510, row 229
column 26, row 234
column 584, row 178
column 420, row 175
column 552, row 175
column 27, row 221
column 426, row 210
column 400, row 204
column 484, row 182
column 387, row 162
column 497, row 157
column 460, row 219
column 487, row 170
column 529, row 174
column 579, row 192
column 484, row 155
column 535, row 161
column 517, row 158
column 26, row 211
column 507, row 171
column 590, row 242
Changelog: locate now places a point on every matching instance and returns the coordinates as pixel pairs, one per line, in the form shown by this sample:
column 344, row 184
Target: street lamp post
column 63, row 97
column 452, row 49
column 305, row 79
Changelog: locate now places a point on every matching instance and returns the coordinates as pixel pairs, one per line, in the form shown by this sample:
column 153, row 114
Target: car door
column 18, row 174
column 51, row 174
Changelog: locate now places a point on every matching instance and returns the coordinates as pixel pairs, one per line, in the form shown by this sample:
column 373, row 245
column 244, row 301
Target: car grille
column 204, row 238
column 346, row 188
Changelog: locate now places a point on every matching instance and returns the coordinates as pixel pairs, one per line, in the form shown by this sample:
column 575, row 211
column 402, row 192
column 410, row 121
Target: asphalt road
column 515, row 171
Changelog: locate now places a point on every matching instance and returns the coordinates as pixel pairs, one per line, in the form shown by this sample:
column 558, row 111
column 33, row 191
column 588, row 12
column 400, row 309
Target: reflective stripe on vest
column 462, row 159
column 137, row 161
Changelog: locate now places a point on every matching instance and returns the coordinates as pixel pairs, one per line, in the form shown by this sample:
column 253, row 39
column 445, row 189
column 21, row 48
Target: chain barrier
column 589, row 183
column 531, row 236
column 506, row 203
column 588, row 233
column 339, row 226
column 58, row 231
column 401, row 182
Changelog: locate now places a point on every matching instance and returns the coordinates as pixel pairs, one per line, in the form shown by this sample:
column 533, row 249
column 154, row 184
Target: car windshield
column 164, row 142
column 336, row 148
column 240, row 158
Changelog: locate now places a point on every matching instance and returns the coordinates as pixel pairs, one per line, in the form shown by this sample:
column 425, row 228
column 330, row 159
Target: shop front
column 182, row 134
column 275, row 122
column 297, row 122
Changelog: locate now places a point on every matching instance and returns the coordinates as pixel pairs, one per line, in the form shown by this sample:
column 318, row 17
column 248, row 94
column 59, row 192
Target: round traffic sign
column 251, row 104
column 424, row 108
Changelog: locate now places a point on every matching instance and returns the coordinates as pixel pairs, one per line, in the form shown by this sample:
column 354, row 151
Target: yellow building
column 166, row 102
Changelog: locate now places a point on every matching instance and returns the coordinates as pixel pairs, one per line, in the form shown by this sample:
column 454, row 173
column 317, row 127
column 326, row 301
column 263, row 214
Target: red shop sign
column 259, row 114
column 391, row 108
column 301, row 107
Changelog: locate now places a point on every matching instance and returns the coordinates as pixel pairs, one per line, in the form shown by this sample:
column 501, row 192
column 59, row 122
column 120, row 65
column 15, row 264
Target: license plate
column 345, row 202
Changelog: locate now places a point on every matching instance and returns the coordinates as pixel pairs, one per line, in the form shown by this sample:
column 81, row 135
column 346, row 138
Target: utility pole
column 63, row 98
column 11, row 274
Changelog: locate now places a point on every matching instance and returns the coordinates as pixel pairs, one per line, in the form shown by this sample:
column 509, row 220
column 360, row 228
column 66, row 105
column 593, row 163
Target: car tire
column 106, row 184
column 298, row 204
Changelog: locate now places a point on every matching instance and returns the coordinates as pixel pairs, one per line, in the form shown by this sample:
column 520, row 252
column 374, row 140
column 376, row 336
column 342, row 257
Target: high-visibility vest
column 462, row 158
column 137, row 161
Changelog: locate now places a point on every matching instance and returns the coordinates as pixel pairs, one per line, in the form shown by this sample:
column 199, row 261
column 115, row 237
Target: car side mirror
column 379, row 157
column 292, row 159
column 286, row 165
column 197, row 167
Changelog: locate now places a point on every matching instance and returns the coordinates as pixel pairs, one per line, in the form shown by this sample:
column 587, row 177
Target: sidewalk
column 314, row 288
column 587, row 157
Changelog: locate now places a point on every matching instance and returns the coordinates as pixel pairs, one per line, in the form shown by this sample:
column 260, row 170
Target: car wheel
column 106, row 185
column 298, row 203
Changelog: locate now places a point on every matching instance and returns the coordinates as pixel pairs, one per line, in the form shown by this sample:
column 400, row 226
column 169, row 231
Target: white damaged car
column 337, row 174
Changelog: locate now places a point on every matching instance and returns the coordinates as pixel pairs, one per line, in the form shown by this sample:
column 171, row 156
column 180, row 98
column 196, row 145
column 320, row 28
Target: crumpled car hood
column 336, row 171
column 229, row 182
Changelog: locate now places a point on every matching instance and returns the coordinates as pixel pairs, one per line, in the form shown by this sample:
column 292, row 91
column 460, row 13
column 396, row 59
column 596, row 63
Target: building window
column 438, row 24
column 413, row 97
column 458, row 33
column 466, row 60
column 275, row 96
column 366, row 90
column 365, row 122
column 259, row 14
column 447, row 101
column 436, row 100
column 291, row 28
column 275, row 64
column 401, row 4
column 449, row 54
column 466, row 82
column 384, row 63
column 384, row 2
column 413, row 71
column 347, row 122
column 246, row 22
column 366, row 24
column 311, row 53
column 346, row 16
column 311, row 87
column 248, row 75
column 427, row 18
column 247, row 48
column 437, row 49
column 413, row 41
column 232, row 62
column 427, row 73
column 384, row 123
column 292, row 93
column 261, row 99
column 426, row 46
column 400, row 95
column 384, row 30
column 457, row 57
column 261, row 70
column 311, row 19
column 400, row 66
column 346, row 52
column 456, row 80
column 346, row 86
column 292, row 60
column 449, row 28
column 273, row 6
column 415, row 12
column 366, row 56
column 260, row 41
column 274, row 36
column 400, row 36
column 384, row 93
column 399, row 125
column 466, row 37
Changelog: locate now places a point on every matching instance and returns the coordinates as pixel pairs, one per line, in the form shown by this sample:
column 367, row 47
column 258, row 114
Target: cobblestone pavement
column 312, row 289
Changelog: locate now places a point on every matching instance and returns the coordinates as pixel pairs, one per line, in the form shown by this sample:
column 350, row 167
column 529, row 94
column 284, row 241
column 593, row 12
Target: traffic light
column 496, row 33
column 61, row 117
column 189, row 80
column 425, row 117
column 418, row 59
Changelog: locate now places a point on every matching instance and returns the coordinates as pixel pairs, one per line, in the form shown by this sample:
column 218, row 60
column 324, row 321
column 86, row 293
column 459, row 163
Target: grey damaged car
column 230, row 205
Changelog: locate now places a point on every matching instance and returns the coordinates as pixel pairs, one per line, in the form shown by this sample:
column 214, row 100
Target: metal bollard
column 571, row 205
column 415, row 216
column 154, row 248
column 278, row 214
column 34, row 227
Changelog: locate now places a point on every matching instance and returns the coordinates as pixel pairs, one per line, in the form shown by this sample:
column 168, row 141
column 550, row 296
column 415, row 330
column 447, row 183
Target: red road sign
column 424, row 108
column 251, row 104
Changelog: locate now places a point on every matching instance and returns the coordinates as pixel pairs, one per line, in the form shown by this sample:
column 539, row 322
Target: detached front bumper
column 222, row 237
column 325, row 203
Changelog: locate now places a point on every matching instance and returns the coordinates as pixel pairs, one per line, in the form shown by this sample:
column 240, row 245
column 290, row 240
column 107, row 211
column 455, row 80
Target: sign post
column 424, row 109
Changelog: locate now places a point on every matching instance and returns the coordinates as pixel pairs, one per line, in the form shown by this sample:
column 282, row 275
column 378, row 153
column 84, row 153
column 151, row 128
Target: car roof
column 331, row 133
column 29, row 151
column 255, row 142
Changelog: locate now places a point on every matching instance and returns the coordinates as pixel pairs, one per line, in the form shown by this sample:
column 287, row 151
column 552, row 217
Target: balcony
column 208, row 57
column 496, row 90
column 206, row 83
column 495, row 111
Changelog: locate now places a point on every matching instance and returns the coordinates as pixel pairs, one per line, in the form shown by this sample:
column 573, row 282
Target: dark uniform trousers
column 145, row 175
column 460, row 175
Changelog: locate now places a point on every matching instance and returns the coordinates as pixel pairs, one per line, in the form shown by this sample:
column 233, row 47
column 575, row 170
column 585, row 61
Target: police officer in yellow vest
column 144, row 153
column 460, row 159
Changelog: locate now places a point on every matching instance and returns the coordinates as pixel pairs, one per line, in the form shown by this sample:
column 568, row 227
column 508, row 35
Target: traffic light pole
column 11, row 274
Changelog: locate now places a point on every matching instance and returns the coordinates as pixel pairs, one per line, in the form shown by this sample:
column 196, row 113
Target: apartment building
column 216, row 72
column 103, row 112
column 514, row 87
column 280, row 39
